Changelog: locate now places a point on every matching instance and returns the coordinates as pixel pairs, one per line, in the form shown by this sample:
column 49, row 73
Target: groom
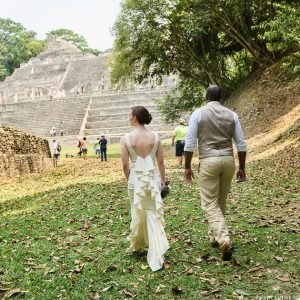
column 214, row 126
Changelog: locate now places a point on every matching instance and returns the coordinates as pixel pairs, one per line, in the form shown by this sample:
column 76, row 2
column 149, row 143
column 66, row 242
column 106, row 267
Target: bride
column 144, row 181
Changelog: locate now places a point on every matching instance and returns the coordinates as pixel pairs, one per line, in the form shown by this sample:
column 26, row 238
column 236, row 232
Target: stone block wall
column 21, row 153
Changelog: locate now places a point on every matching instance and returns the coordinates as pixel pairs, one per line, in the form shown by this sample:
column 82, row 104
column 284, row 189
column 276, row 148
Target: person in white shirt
column 56, row 153
column 214, row 127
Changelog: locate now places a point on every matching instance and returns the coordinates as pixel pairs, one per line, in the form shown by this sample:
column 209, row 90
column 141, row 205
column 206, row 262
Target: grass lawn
column 63, row 236
column 113, row 150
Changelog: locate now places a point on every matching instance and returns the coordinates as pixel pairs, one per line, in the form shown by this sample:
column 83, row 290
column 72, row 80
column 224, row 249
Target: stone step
column 122, row 103
column 118, row 116
column 118, row 130
column 104, row 123
column 124, row 110
column 128, row 96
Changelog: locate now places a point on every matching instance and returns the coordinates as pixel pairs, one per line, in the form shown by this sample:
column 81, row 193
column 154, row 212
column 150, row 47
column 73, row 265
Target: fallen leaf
column 255, row 269
column 279, row 258
column 189, row 271
column 73, row 279
column 5, row 282
column 128, row 293
column 166, row 266
column 144, row 267
column 106, row 289
column 177, row 290
column 94, row 296
column 242, row 292
column 111, row 267
column 14, row 292
column 281, row 278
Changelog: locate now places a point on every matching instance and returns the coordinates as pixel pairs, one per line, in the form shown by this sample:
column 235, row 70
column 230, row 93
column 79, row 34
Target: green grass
column 113, row 150
column 69, row 242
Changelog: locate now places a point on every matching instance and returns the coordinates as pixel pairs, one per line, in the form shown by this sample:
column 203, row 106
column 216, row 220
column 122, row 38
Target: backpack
column 58, row 148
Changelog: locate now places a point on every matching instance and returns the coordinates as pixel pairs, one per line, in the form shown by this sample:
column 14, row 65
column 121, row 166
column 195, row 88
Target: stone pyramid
column 65, row 84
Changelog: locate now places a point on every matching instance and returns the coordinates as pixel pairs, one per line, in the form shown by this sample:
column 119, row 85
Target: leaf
column 279, row 258
column 255, row 269
column 189, row 271
column 144, row 267
column 242, row 292
column 5, row 282
column 166, row 266
column 106, row 289
column 111, row 267
column 177, row 290
column 128, row 293
column 94, row 296
column 281, row 278
column 14, row 292
column 73, row 279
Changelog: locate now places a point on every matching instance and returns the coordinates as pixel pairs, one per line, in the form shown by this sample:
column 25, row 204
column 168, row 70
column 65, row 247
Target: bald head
column 213, row 93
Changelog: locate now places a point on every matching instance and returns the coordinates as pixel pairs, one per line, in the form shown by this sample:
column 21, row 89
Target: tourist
column 53, row 131
column 144, row 181
column 56, row 153
column 179, row 135
column 79, row 145
column 214, row 126
column 97, row 148
column 84, row 148
column 103, row 147
column 61, row 125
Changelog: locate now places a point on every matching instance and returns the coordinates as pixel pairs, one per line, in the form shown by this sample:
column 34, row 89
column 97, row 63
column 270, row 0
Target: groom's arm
column 190, row 143
column 188, row 172
column 241, row 147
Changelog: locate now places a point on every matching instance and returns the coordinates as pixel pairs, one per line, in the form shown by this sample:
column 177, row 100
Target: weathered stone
column 65, row 84
column 21, row 153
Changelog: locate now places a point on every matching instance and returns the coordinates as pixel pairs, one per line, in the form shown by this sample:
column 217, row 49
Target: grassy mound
column 63, row 233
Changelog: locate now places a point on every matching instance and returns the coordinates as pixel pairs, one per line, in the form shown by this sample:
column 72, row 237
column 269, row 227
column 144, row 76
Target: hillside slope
column 269, row 109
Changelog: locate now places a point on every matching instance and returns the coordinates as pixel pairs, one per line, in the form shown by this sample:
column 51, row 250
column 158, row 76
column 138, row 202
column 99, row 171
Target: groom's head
column 213, row 93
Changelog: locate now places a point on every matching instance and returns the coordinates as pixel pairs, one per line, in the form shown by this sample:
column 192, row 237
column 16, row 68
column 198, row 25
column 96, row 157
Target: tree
column 70, row 36
column 17, row 45
column 202, row 41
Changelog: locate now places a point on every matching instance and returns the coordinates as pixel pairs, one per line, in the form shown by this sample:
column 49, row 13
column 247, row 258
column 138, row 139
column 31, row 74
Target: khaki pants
column 215, row 179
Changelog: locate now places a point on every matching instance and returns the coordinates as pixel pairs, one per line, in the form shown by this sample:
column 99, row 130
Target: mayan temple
column 65, row 84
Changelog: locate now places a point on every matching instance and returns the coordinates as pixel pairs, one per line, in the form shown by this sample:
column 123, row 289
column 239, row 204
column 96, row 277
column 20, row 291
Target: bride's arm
column 125, row 158
column 160, row 162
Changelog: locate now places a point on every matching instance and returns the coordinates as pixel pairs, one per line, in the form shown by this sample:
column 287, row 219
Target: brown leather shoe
column 226, row 251
column 214, row 244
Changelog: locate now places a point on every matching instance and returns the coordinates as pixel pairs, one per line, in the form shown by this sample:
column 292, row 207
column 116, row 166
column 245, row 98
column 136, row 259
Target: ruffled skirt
column 147, row 222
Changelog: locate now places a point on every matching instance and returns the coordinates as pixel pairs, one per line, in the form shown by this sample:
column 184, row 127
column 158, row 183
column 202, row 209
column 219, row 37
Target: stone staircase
column 108, row 114
column 38, row 117
column 65, row 84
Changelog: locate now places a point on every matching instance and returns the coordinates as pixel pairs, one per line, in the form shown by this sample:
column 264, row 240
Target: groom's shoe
column 226, row 251
column 214, row 244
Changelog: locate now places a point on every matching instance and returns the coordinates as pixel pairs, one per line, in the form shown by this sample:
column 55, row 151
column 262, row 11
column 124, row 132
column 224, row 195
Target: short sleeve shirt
column 180, row 132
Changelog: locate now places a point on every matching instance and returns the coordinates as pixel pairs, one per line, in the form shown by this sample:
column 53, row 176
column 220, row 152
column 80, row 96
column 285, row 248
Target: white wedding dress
column 147, row 222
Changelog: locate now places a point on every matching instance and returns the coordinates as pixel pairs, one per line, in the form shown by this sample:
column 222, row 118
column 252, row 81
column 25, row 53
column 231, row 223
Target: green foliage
column 184, row 98
column 70, row 36
column 17, row 45
column 204, row 42
column 283, row 32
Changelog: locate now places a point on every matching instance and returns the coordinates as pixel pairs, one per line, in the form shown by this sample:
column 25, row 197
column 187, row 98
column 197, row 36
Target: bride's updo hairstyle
column 142, row 114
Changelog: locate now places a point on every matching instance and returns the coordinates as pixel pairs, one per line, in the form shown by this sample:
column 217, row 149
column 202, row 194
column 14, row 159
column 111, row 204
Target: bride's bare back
column 142, row 142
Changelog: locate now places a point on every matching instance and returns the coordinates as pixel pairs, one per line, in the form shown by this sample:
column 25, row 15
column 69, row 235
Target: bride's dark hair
column 142, row 114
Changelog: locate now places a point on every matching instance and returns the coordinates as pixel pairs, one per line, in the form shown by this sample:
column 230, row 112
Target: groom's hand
column 240, row 176
column 189, row 175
